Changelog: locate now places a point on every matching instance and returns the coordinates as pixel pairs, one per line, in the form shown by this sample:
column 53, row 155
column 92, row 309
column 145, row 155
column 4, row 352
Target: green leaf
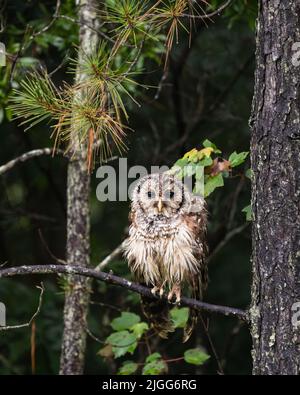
column 139, row 329
column 249, row 174
column 237, row 159
column 207, row 143
column 153, row 357
column 179, row 316
column 206, row 161
column 248, row 212
column 128, row 367
column 121, row 339
column 120, row 351
column 122, row 342
column 125, row 321
column 212, row 183
column 156, row 367
column 195, row 356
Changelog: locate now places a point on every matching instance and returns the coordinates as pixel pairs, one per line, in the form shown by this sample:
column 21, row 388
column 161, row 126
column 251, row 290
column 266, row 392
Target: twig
column 27, row 324
column 116, row 252
column 92, row 336
column 109, row 278
column 47, row 27
column 226, row 239
column 82, row 23
column 209, row 15
column 55, row 258
column 213, row 348
column 110, row 306
column 28, row 155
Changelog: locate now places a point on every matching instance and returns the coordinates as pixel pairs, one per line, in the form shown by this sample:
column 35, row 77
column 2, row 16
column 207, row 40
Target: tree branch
column 122, row 282
column 209, row 15
column 28, row 155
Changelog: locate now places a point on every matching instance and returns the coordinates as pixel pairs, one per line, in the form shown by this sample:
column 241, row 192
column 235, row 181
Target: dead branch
column 28, row 155
column 27, row 324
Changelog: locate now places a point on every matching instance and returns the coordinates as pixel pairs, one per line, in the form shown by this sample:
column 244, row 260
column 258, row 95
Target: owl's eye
column 169, row 194
column 151, row 194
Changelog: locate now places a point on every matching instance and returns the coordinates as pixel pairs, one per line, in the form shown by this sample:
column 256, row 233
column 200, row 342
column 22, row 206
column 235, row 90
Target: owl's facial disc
column 161, row 197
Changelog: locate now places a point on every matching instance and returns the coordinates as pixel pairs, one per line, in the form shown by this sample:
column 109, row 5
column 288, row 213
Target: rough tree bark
column 275, row 124
column 78, row 224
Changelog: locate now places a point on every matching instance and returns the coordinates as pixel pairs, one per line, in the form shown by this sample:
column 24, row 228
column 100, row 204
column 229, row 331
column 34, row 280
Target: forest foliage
column 162, row 88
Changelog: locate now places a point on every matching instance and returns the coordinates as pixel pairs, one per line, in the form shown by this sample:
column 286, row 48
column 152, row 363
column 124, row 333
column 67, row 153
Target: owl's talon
column 175, row 291
column 161, row 292
column 154, row 290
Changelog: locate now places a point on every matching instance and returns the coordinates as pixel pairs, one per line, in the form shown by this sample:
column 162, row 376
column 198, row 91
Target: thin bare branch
column 210, row 14
column 47, row 27
column 27, row 324
column 114, row 254
column 28, row 155
column 227, row 238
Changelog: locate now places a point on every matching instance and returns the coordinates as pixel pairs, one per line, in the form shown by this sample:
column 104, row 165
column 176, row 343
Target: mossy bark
column 275, row 124
column 78, row 222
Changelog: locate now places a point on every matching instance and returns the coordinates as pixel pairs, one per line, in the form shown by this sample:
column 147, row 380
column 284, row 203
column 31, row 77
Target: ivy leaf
column 206, row 143
column 248, row 211
column 156, row 367
column 236, row 159
column 179, row 316
column 125, row 321
column 153, row 357
column 128, row 367
column 139, row 329
column 195, row 356
column 213, row 182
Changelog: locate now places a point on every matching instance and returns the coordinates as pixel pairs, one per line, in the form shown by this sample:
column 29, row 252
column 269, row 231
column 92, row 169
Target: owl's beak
column 160, row 206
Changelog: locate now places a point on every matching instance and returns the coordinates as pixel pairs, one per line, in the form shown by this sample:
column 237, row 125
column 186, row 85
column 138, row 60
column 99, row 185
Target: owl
column 166, row 247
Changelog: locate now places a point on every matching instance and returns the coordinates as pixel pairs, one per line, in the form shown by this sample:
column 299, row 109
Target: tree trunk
column 78, row 224
column 275, row 124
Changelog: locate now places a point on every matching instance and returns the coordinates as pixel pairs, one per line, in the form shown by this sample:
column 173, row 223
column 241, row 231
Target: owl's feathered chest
column 155, row 228
column 161, row 248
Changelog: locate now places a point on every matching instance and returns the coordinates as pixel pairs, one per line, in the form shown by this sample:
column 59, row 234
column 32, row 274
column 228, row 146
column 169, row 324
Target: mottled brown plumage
column 166, row 246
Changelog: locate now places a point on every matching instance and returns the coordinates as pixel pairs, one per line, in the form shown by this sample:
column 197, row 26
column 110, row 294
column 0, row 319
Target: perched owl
column 166, row 246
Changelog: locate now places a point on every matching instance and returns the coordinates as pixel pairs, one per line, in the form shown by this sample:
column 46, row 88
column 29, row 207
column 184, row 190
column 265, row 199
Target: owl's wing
column 197, row 222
